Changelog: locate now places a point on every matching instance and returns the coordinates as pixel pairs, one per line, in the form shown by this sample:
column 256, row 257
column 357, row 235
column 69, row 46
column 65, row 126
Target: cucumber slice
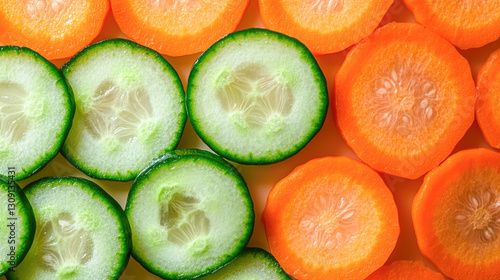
column 82, row 232
column 130, row 109
column 190, row 213
column 36, row 111
column 257, row 96
column 251, row 263
column 18, row 228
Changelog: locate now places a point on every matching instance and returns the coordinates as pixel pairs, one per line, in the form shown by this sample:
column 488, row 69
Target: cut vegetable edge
column 53, row 48
column 405, row 270
column 27, row 221
column 273, row 156
column 96, row 193
column 379, row 157
column 313, row 172
column 437, row 186
column 69, row 102
column 159, row 39
column 275, row 17
column 434, row 18
column 243, row 265
column 79, row 58
column 488, row 80
column 172, row 157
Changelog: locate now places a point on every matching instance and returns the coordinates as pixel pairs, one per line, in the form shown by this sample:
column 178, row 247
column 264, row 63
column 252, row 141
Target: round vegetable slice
column 488, row 99
column 324, row 26
column 178, row 27
column 130, row 109
column 466, row 24
column 331, row 216
column 251, row 263
column 18, row 230
column 36, row 111
column 405, row 270
column 54, row 28
column 456, row 215
column 404, row 98
column 190, row 213
column 82, row 232
column 256, row 96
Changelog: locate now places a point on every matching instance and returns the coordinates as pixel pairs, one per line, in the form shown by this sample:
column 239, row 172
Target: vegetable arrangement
column 397, row 174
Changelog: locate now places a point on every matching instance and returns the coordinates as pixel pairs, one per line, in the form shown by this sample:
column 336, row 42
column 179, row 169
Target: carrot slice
column 404, row 98
column 405, row 270
column 178, row 27
column 456, row 215
column 488, row 99
column 466, row 24
column 324, row 26
column 53, row 28
column 331, row 217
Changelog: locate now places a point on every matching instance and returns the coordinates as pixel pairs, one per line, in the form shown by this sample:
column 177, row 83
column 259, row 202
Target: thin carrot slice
column 324, row 26
column 456, row 215
column 488, row 99
column 178, row 27
column 405, row 270
column 331, row 217
column 53, row 28
column 466, row 24
column 404, row 98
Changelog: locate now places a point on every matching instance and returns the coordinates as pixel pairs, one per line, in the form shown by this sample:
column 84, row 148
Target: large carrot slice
column 405, row 270
column 488, row 99
column 179, row 27
column 404, row 98
column 456, row 215
column 54, row 28
column 324, row 26
column 466, row 24
column 331, row 218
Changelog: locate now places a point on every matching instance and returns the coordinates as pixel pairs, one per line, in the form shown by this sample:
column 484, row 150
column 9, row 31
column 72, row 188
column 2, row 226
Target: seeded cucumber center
column 186, row 225
column 63, row 245
column 14, row 121
column 118, row 115
column 254, row 97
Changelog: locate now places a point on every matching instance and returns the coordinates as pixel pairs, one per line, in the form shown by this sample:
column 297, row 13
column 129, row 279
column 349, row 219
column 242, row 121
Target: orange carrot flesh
column 404, row 97
column 178, row 28
column 466, row 24
column 54, row 28
column 488, row 99
column 405, row 270
column 331, row 216
column 324, row 26
column 456, row 215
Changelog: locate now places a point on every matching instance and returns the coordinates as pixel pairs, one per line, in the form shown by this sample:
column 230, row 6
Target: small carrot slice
column 53, row 28
column 404, row 98
column 178, row 27
column 405, row 270
column 466, row 24
column 324, row 26
column 456, row 215
column 488, row 99
column 331, row 217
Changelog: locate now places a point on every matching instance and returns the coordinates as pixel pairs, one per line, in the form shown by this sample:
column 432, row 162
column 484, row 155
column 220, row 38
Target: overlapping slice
column 54, row 28
column 488, row 99
column 129, row 109
column 456, row 215
column 178, row 27
column 466, row 24
column 331, row 217
column 36, row 111
column 324, row 26
column 404, row 98
column 405, row 270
